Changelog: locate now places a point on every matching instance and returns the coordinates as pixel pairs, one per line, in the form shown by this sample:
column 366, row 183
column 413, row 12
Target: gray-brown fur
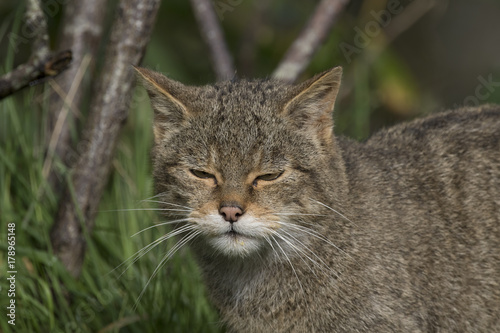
column 412, row 246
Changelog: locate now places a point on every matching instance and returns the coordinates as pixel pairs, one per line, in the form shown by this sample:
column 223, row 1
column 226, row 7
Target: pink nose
column 231, row 213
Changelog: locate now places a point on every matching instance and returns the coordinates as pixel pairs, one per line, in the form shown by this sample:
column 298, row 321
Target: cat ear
column 311, row 109
column 169, row 112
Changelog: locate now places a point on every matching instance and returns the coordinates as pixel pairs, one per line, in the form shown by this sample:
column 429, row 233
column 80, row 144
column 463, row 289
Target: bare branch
column 399, row 24
column 42, row 63
column 36, row 22
column 312, row 36
column 249, row 40
column 109, row 108
column 214, row 38
column 82, row 31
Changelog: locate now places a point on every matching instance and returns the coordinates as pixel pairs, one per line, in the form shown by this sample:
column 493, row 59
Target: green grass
column 101, row 301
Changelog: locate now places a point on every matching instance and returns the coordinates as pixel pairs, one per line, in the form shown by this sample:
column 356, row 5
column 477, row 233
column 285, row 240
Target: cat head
column 243, row 158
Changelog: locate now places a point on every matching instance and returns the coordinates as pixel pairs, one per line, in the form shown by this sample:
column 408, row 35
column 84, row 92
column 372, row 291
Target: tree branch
column 82, row 31
column 214, row 38
column 312, row 36
column 249, row 40
column 109, row 108
column 42, row 63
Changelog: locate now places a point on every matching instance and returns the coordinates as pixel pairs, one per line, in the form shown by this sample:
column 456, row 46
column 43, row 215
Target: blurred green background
column 429, row 56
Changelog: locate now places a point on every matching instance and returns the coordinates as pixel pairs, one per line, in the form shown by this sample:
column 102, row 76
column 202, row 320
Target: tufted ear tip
column 166, row 97
column 334, row 73
column 140, row 72
column 337, row 69
column 311, row 108
column 320, row 91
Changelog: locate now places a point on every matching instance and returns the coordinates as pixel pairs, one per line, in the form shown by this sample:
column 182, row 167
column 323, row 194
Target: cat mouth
column 233, row 242
column 233, row 233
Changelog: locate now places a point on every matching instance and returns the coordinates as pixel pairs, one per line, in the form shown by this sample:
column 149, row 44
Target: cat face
column 234, row 180
column 238, row 157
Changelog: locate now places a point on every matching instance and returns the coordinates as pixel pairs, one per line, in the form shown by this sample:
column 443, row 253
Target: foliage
column 175, row 300
column 102, row 300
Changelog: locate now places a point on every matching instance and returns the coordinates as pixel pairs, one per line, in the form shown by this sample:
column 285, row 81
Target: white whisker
column 333, row 210
column 166, row 203
column 183, row 241
column 299, row 251
column 298, row 214
column 145, row 209
column 268, row 239
column 288, row 259
column 139, row 254
column 313, row 253
column 160, row 224
column 156, row 196
column 313, row 233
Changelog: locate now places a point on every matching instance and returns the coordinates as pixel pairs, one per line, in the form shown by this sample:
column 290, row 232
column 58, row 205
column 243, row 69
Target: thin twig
column 42, row 63
column 214, row 38
column 312, row 36
column 413, row 13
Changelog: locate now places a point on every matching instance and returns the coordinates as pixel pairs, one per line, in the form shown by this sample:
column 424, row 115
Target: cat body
column 296, row 230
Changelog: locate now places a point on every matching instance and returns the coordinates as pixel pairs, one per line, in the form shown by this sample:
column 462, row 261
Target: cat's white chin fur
column 235, row 245
column 240, row 238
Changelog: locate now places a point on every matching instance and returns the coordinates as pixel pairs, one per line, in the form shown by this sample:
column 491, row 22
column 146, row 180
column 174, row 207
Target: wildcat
column 296, row 230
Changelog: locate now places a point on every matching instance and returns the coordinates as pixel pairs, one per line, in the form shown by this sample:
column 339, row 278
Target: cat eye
column 202, row 174
column 268, row 177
